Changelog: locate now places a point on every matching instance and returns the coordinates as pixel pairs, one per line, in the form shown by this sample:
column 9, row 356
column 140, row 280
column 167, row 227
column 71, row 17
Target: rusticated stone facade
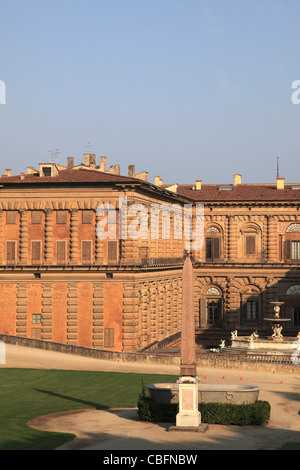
column 61, row 282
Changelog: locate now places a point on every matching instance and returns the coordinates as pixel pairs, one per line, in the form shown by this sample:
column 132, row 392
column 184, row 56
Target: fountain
column 276, row 343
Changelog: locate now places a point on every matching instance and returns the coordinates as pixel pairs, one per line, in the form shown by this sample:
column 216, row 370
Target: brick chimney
column 158, row 181
column 8, row 172
column 280, row 182
column 89, row 159
column 131, row 171
column 198, row 185
column 103, row 164
column 70, row 162
column 237, row 179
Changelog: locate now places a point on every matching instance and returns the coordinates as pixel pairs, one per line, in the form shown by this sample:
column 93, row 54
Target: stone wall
column 213, row 361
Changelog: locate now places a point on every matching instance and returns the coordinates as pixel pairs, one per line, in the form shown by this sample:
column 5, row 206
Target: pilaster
column 49, row 237
column 23, row 237
column 74, row 237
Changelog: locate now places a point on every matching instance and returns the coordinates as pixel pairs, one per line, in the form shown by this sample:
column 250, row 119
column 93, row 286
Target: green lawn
column 27, row 393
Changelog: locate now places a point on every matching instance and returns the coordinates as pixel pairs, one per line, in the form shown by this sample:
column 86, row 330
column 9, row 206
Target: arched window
column 250, row 304
column 213, row 243
column 294, row 303
column 292, row 242
column 213, row 291
column 213, row 306
column 293, row 228
column 293, row 290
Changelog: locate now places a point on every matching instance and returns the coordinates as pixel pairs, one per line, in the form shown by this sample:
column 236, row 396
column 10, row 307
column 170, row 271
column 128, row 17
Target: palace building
column 61, row 281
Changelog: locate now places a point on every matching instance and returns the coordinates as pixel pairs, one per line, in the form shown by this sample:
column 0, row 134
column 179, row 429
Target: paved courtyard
column 121, row 430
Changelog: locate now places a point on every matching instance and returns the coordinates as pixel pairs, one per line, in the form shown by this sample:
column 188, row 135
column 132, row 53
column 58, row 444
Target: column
column 72, row 314
column 98, row 338
column 48, row 237
column 2, row 248
column 272, row 241
column 232, row 238
column 74, row 237
column 21, row 317
column 47, row 312
column 23, row 238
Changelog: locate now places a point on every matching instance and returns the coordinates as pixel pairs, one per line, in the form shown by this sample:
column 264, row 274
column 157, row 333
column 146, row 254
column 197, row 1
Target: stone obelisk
column 188, row 418
column 188, row 350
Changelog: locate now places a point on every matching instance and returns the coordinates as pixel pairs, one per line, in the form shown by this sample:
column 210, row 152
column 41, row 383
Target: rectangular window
column 112, row 251
column 36, row 318
column 208, row 248
column 109, row 334
column 292, row 249
column 295, row 249
column 36, row 252
column 251, row 310
column 86, row 217
column 61, row 251
column 11, row 217
column 296, row 316
column 213, row 248
column 11, row 252
column 250, row 245
column 86, row 251
column 61, row 217
column 213, row 311
column 36, row 217
column 36, row 333
column 47, row 171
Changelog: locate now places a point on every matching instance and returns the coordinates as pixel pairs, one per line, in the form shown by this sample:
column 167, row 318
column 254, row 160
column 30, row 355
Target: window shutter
column 36, row 217
column 86, row 217
column 250, row 244
column 288, row 246
column 36, row 252
column 208, row 248
column 86, row 254
column 11, row 217
column 112, row 251
column 61, row 217
column 10, row 252
column 61, row 251
column 109, row 334
column 216, row 248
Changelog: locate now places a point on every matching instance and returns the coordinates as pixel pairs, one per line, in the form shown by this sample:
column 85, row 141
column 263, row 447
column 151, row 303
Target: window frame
column 35, row 262
column 64, row 261
column 11, row 262
column 86, row 261
column 61, row 213
column 35, row 214
column 12, row 214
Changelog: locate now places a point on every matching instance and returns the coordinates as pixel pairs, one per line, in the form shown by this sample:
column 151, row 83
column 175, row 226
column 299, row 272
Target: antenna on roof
column 89, row 147
column 53, row 155
column 277, row 167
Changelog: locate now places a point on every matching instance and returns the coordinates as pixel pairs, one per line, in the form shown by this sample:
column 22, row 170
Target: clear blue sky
column 185, row 89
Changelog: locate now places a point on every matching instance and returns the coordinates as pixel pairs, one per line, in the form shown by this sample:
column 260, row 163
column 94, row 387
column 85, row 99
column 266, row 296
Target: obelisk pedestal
column 188, row 415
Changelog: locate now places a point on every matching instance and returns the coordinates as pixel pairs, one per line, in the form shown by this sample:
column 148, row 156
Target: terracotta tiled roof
column 70, row 176
column 85, row 176
column 240, row 193
column 207, row 193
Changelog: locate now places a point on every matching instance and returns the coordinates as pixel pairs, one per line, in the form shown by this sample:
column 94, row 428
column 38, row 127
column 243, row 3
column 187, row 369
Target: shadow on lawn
column 91, row 404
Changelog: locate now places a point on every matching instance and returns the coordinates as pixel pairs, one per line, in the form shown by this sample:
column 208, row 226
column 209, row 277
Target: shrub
column 248, row 414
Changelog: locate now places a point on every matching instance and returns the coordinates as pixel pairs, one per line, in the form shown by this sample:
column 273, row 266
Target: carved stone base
column 189, row 415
